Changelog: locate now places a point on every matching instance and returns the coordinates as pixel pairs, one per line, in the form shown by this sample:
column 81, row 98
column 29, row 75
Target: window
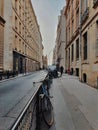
column 84, row 5
column 77, row 19
column 77, row 71
column 72, row 52
column 72, row 4
column 16, row 22
column 69, row 33
column 19, row 27
column 85, row 46
column 20, row 11
column 25, row 50
column 96, row 38
column 72, row 26
column 66, row 58
column 16, row 4
column 1, row 7
column 69, row 58
column 97, row 48
column 77, row 3
column 23, row 31
column 97, row 83
column 66, row 35
column 15, row 45
column 19, row 45
column 23, row 16
column 69, row 13
column 23, row 47
column 77, row 49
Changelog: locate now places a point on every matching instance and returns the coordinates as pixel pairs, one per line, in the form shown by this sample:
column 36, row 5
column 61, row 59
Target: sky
column 47, row 12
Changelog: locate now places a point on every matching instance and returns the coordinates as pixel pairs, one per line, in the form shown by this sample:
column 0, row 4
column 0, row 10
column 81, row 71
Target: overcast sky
column 47, row 12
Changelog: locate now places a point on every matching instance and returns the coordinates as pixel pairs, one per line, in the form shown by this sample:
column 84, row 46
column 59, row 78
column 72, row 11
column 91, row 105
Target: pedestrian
column 61, row 70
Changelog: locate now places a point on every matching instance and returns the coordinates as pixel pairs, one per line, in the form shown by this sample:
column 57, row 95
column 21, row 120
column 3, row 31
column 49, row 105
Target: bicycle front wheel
column 47, row 111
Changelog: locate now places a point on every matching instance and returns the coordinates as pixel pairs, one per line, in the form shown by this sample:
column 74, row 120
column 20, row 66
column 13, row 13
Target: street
column 41, row 40
column 75, row 104
column 14, row 95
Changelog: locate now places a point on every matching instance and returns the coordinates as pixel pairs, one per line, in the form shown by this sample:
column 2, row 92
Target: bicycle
column 45, row 108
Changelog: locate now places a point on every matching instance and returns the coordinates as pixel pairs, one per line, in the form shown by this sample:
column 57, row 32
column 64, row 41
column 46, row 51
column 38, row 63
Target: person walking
column 61, row 70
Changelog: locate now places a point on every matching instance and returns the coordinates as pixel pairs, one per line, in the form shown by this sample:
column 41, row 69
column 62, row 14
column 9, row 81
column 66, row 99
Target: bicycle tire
column 47, row 111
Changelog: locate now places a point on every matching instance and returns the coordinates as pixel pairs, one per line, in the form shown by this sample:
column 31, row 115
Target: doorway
column 84, row 78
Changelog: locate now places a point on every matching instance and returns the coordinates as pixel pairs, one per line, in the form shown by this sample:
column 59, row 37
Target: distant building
column 82, row 39
column 45, row 62
column 60, row 40
column 2, row 22
column 22, row 38
column 54, row 61
column 41, row 55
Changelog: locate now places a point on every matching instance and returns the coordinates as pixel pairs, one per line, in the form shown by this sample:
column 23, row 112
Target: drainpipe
column 80, row 33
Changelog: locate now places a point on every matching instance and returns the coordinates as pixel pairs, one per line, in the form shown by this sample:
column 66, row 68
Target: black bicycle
column 45, row 108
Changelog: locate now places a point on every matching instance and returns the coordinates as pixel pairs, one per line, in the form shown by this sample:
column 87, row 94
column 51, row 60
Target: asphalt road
column 14, row 95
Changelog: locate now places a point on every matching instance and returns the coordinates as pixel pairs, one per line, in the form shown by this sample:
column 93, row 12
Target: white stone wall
column 25, row 47
column 8, row 35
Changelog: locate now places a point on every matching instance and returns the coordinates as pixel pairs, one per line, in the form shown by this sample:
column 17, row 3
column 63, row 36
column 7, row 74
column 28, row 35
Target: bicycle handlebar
column 42, row 81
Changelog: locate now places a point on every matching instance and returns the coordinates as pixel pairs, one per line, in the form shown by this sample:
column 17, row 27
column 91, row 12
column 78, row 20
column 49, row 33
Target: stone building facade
column 22, row 38
column 45, row 62
column 72, row 36
column 2, row 22
column 54, row 59
column 82, row 39
column 60, row 40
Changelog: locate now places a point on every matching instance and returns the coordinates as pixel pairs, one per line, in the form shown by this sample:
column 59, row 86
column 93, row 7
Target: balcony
column 85, row 15
column 95, row 3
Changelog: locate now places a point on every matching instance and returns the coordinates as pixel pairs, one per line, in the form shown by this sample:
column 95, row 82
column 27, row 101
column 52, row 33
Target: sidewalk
column 16, row 76
column 20, row 75
column 75, row 104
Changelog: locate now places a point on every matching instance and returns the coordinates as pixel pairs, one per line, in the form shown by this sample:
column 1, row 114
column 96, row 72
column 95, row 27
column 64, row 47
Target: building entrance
column 18, row 62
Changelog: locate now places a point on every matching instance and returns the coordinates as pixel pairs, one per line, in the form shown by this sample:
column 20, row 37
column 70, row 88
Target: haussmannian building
column 23, row 47
column 82, row 39
column 60, row 40
column 72, row 36
column 54, row 58
column 45, row 62
column 2, row 23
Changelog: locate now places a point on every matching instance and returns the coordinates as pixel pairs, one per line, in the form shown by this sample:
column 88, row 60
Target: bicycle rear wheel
column 47, row 111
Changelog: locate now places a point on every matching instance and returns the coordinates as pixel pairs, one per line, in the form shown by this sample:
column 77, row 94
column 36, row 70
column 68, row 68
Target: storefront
column 19, row 63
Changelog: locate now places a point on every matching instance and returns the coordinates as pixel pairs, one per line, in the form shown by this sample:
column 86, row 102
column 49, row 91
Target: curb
column 20, row 75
